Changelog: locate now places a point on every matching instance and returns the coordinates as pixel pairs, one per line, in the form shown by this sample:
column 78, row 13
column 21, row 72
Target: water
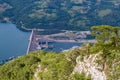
column 60, row 46
column 13, row 42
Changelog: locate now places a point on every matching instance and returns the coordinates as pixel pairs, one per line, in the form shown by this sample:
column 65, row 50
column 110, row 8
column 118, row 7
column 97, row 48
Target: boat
column 11, row 58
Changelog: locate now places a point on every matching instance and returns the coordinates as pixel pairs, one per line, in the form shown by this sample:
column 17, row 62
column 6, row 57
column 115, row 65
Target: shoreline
column 35, row 39
column 54, row 40
column 73, row 41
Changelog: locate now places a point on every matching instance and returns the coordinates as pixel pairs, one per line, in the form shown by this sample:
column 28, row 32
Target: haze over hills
column 60, row 14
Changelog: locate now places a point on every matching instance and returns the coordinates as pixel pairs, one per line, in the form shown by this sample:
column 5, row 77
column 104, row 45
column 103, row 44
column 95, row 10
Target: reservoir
column 13, row 42
column 61, row 46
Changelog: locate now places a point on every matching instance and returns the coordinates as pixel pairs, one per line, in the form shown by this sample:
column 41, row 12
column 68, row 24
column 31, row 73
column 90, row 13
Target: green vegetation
column 54, row 66
column 62, row 14
column 21, row 68
column 108, row 43
column 59, row 66
column 81, row 76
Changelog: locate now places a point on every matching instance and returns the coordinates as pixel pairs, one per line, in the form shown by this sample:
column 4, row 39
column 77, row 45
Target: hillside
column 98, row 61
column 62, row 14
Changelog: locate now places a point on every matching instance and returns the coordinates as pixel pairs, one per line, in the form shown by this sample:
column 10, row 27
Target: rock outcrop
column 90, row 67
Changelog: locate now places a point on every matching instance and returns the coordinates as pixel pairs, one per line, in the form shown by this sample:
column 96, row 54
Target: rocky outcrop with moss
column 90, row 67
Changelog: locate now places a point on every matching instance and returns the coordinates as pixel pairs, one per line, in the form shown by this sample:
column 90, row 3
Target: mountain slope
column 35, row 66
column 63, row 14
column 100, row 60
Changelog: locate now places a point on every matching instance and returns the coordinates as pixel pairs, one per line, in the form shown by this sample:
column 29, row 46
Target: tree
column 116, row 36
column 107, row 38
column 106, row 35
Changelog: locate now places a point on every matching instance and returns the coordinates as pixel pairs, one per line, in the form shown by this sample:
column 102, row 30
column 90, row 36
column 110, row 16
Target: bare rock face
column 90, row 67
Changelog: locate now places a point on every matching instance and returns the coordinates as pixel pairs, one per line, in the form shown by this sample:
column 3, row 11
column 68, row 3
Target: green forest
column 59, row 66
column 62, row 14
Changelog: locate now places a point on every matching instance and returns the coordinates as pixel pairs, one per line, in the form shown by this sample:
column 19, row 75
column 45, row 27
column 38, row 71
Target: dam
column 43, row 42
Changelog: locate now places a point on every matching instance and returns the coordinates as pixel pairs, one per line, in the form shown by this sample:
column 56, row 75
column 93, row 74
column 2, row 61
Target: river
column 13, row 42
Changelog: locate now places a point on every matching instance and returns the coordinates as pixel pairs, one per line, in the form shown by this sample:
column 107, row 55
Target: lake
column 13, row 42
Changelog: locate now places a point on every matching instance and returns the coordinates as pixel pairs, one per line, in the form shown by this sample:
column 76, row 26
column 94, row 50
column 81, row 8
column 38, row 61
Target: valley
column 68, row 15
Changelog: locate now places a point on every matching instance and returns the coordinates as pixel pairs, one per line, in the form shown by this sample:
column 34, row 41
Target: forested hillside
column 102, row 57
column 60, row 14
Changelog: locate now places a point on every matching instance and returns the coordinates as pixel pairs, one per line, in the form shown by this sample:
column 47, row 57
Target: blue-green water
column 13, row 42
column 60, row 46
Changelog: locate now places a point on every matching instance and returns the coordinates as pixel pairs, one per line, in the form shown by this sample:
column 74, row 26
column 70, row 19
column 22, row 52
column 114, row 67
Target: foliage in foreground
column 60, row 66
column 54, row 66
column 108, row 43
column 80, row 76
